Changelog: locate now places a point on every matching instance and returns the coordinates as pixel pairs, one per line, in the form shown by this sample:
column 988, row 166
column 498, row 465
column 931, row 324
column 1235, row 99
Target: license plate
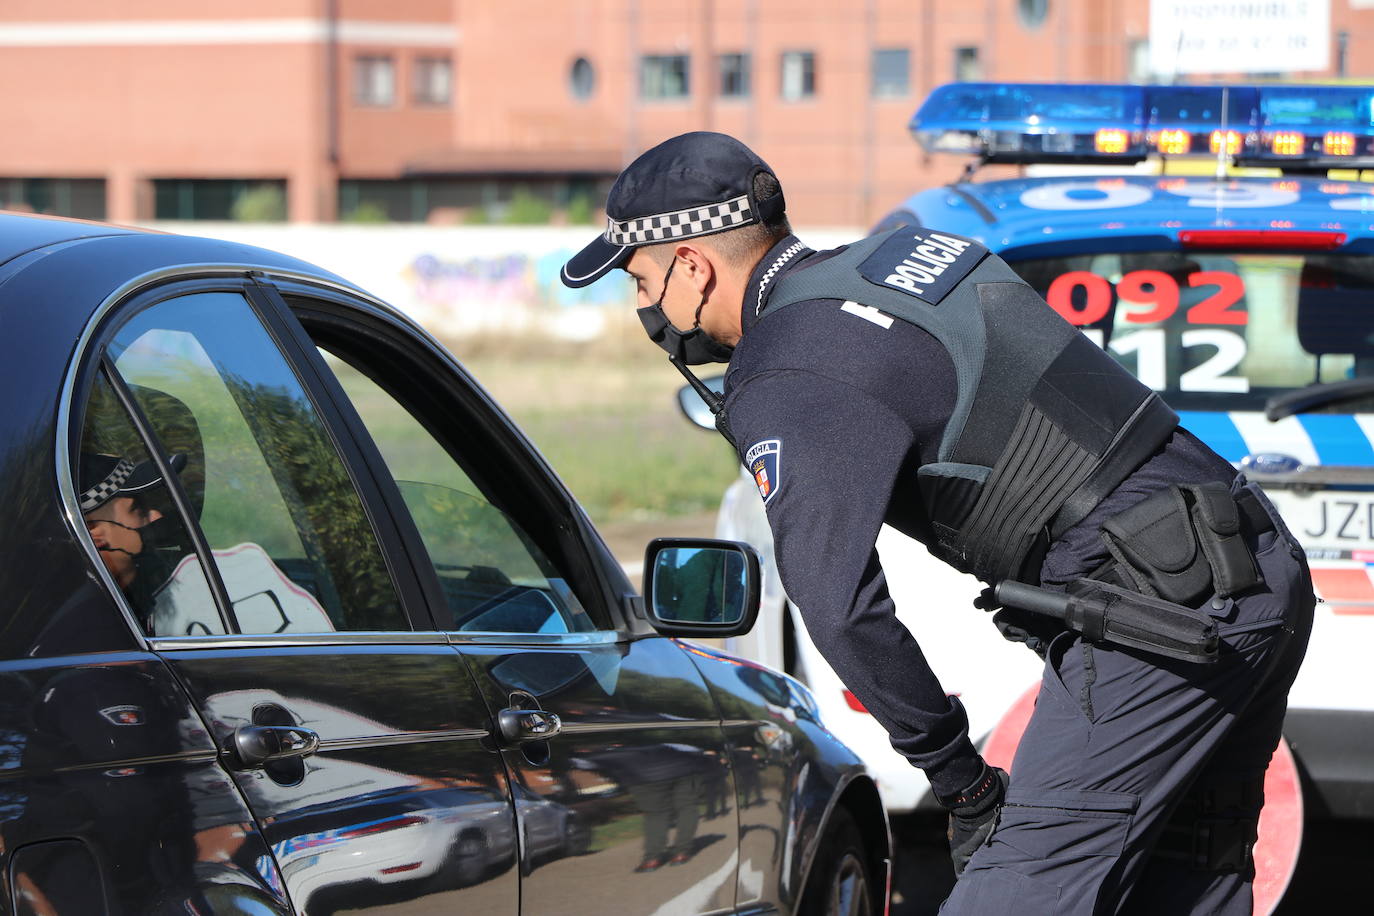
column 1330, row 524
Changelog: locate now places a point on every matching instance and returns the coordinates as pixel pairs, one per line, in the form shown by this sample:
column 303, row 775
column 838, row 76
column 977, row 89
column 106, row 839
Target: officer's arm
column 827, row 456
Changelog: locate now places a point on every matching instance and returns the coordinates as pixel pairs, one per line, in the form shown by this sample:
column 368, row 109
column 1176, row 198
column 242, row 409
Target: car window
column 494, row 576
column 1218, row 330
column 287, row 531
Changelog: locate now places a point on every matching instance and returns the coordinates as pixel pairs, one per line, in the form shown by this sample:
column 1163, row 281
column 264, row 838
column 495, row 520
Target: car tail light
column 853, row 702
column 1174, row 142
column 394, row 823
column 1286, row 143
column 1261, row 238
column 1338, row 143
column 1230, row 138
column 1111, row 140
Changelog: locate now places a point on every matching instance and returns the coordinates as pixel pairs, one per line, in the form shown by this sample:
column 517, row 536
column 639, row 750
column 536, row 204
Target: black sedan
column 296, row 621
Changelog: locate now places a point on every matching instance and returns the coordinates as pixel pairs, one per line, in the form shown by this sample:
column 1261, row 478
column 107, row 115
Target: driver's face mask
column 163, row 544
column 693, row 347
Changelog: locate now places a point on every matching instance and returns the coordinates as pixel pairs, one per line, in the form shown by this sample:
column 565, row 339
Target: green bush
column 264, row 203
column 526, row 209
column 366, row 212
column 580, row 210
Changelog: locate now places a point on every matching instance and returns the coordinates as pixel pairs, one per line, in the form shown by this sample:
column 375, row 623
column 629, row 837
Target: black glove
column 973, row 814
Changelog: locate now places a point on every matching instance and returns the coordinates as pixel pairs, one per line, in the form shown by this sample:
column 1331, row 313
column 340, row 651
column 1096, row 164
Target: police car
column 1207, row 239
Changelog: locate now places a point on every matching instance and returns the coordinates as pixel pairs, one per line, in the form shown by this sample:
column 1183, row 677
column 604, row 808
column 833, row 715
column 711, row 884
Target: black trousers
column 1117, row 740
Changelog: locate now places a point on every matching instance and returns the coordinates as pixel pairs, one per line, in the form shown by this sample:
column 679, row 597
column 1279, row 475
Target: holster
column 1112, row 615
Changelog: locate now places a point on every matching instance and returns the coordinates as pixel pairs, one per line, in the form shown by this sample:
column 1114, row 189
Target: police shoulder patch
column 764, row 461
column 923, row 263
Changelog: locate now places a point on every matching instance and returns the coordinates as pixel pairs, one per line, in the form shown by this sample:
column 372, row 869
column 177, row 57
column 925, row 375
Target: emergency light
column 1297, row 128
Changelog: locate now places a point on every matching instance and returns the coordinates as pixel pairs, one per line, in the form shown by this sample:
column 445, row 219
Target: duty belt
column 1134, row 599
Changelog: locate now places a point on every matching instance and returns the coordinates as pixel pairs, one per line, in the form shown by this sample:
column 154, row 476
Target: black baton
column 1108, row 614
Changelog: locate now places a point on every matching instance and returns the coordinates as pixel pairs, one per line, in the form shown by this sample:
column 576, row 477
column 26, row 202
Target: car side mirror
column 701, row 586
column 694, row 407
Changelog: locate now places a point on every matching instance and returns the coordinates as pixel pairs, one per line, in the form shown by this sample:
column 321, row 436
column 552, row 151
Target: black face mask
column 693, row 347
column 163, row 547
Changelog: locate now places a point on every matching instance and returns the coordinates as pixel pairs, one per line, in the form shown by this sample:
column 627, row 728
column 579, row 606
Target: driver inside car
column 145, row 550
column 118, row 504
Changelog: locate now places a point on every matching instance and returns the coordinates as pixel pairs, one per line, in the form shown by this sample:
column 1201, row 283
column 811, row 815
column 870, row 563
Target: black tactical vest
column 1045, row 424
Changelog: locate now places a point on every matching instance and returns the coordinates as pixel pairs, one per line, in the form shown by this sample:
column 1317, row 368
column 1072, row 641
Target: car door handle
column 255, row 745
column 520, row 725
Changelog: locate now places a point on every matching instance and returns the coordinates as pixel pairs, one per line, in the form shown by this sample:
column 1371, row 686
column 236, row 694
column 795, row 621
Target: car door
column 618, row 764
column 282, row 602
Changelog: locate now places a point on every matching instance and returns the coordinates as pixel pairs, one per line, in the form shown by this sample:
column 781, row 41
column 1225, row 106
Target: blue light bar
column 1295, row 127
column 1030, row 122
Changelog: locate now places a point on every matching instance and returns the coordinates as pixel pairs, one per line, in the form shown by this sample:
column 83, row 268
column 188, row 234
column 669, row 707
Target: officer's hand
column 973, row 814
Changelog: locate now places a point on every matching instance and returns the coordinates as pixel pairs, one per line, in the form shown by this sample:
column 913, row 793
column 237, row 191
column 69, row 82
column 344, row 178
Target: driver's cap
column 103, row 477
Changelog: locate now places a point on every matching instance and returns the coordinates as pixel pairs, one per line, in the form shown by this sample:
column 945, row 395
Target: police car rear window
column 1221, row 331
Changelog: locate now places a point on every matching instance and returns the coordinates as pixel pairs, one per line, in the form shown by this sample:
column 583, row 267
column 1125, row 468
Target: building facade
column 468, row 110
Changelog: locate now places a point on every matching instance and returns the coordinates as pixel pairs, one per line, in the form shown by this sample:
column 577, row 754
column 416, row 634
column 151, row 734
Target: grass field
column 605, row 416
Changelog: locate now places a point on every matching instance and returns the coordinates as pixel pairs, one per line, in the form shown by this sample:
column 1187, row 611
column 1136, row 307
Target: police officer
column 912, row 378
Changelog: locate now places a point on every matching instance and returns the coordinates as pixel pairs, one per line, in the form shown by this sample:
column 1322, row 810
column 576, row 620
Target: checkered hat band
column 681, row 224
column 100, row 494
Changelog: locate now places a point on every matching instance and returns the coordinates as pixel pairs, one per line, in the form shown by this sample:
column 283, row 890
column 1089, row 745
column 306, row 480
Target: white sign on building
column 1239, row 36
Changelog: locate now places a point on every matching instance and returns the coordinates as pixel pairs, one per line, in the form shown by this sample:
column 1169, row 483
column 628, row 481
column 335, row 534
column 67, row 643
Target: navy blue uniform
column 833, row 406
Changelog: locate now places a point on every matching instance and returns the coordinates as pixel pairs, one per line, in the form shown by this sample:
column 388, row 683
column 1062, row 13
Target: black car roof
column 24, row 233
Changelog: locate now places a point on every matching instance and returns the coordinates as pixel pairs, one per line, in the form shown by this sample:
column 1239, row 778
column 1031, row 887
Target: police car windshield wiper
column 1320, row 394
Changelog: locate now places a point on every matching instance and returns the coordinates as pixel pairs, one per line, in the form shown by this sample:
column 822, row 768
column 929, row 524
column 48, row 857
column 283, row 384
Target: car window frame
column 593, row 575
column 83, row 370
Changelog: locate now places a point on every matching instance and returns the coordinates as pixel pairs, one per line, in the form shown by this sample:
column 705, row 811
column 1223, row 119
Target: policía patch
column 922, row 262
column 764, row 461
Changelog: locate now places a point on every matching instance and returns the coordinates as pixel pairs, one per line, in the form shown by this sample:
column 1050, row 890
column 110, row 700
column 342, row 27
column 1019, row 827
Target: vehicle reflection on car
column 449, row 837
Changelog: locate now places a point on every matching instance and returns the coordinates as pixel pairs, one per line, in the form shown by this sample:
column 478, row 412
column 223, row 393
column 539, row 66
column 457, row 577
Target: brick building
column 442, row 109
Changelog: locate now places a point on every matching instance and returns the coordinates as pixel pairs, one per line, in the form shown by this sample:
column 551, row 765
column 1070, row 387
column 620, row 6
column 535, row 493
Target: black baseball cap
column 694, row 184
column 103, row 477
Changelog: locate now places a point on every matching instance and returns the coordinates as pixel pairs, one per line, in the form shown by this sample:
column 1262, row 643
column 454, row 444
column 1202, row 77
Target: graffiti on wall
column 511, row 279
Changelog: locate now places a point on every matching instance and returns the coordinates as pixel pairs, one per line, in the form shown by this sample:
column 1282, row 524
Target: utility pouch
column 1217, row 524
column 1157, row 548
column 1183, row 544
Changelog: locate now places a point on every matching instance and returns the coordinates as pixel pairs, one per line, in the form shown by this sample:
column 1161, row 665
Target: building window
column 798, row 75
column 433, row 81
column 663, row 76
column 582, row 79
column 732, row 72
column 891, row 73
column 1032, row 12
column 968, row 68
column 474, row 200
column 83, row 198
column 374, row 81
column 219, row 199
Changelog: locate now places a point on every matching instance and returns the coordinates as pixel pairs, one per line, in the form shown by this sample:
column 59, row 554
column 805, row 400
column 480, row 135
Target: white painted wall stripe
column 224, row 32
